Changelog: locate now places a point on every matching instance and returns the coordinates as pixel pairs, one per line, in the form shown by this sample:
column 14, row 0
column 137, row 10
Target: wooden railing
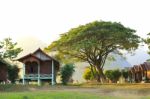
column 35, row 76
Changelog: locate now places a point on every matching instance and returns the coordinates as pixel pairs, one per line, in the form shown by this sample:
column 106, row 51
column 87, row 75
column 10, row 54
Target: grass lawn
column 61, row 95
column 108, row 91
column 52, row 95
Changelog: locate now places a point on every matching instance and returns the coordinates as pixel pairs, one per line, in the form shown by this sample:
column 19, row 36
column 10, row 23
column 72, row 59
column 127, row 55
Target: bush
column 109, row 74
column 66, row 73
column 87, row 75
column 125, row 74
column 13, row 73
column 113, row 75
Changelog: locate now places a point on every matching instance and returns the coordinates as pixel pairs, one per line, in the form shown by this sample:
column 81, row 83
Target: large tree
column 93, row 42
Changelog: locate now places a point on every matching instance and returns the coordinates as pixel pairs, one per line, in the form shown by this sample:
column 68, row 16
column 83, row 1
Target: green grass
column 85, row 91
column 52, row 95
column 61, row 95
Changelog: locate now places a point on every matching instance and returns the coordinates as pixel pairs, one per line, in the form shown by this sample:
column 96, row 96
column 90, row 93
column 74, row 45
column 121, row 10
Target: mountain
column 119, row 62
column 140, row 55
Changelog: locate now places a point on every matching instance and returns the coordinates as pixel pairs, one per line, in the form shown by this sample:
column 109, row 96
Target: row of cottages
column 40, row 67
column 139, row 73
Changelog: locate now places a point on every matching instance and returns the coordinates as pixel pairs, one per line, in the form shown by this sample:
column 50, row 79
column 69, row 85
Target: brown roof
column 132, row 69
column 28, row 55
column 39, row 49
column 136, row 68
column 32, row 54
column 142, row 67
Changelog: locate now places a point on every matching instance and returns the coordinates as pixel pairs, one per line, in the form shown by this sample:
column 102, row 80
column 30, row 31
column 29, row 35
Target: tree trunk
column 100, row 76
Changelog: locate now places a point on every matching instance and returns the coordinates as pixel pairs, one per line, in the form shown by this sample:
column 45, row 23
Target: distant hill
column 140, row 56
column 119, row 62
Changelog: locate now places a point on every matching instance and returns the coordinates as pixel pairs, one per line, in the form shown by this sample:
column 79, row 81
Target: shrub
column 66, row 73
column 87, row 75
column 13, row 73
column 109, row 74
column 113, row 75
column 125, row 74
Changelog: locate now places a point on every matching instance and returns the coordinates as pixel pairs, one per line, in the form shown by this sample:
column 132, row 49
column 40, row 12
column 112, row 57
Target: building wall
column 41, row 56
column 46, row 67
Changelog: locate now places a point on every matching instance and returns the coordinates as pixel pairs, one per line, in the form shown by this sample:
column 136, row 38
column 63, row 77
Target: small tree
column 9, row 51
column 66, row 73
column 13, row 73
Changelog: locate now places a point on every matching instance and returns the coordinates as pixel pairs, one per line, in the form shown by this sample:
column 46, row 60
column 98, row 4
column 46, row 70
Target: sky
column 46, row 19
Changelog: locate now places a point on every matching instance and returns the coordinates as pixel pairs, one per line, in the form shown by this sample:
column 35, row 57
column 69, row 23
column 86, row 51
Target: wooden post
column 38, row 73
column 23, row 79
column 53, row 72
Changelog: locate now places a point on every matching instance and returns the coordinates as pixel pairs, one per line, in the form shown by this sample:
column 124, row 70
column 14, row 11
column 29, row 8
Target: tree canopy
column 147, row 41
column 93, row 42
column 9, row 49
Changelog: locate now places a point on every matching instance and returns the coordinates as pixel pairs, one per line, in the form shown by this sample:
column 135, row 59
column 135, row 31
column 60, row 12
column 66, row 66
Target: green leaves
column 113, row 75
column 66, row 73
column 97, row 38
column 147, row 41
column 9, row 49
column 87, row 75
column 13, row 73
column 94, row 41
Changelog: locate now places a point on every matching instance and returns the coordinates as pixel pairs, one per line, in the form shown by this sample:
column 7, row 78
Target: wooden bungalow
column 39, row 66
column 139, row 73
